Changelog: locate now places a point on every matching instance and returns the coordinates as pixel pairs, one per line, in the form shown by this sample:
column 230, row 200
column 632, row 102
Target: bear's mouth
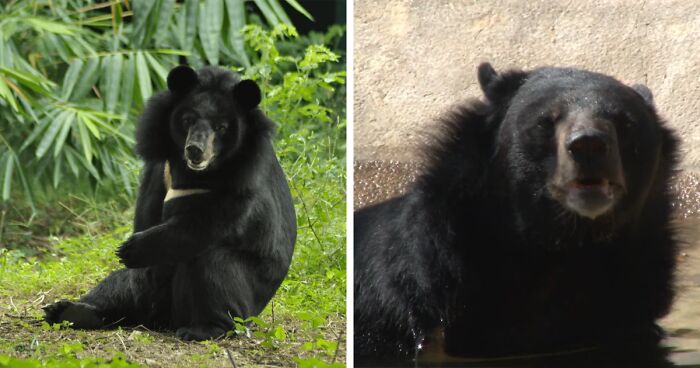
column 590, row 197
column 599, row 184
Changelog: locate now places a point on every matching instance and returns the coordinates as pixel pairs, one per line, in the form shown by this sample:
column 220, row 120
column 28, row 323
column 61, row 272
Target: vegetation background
column 74, row 75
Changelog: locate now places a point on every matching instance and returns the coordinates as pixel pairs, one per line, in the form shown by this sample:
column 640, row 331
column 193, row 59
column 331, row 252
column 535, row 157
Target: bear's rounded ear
column 499, row 87
column 247, row 94
column 182, row 79
column 645, row 92
column 487, row 75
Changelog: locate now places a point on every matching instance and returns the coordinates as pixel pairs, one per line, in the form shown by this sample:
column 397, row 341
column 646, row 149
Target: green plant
column 74, row 74
column 301, row 91
column 67, row 362
column 304, row 92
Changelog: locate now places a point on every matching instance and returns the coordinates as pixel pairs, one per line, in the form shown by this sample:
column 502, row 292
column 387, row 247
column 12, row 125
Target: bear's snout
column 588, row 178
column 200, row 149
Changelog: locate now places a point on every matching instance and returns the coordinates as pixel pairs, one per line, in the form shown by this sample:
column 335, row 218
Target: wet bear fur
column 478, row 258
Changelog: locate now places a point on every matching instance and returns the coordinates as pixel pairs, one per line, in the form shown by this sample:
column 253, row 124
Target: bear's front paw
column 131, row 253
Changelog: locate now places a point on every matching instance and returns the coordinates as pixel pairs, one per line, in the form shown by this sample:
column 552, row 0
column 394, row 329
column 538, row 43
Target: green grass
column 303, row 326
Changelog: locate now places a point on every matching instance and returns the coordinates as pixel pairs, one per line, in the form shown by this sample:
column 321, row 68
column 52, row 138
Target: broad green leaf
column 50, row 133
column 164, row 13
column 124, row 173
column 7, row 181
column 142, row 11
column 36, row 83
column 57, row 172
column 87, row 120
column 63, row 134
column 113, row 81
column 152, row 24
column 105, row 125
column 178, row 26
column 85, row 142
column 235, row 9
column 281, row 14
column 27, row 105
column 71, row 78
column 211, row 17
column 106, row 159
column 70, row 158
column 144, row 77
column 86, row 47
column 192, row 15
column 7, row 95
column 26, row 188
column 43, row 123
column 157, row 67
column 117, row 14
column 89, row 166
column 88, row 77
column 56, row 41
column 43, row 24
column 294, row 4
column 127, row 92
column 267, row 11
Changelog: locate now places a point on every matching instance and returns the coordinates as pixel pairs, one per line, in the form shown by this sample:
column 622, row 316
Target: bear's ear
column 247, row 94
column 182, row 79
column 498, row 87
column 486, row 74
column 645, row 92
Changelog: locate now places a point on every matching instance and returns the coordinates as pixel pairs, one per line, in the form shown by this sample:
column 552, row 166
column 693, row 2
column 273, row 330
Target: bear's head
column 207, row 123
column 205, row 118
column 577, row 142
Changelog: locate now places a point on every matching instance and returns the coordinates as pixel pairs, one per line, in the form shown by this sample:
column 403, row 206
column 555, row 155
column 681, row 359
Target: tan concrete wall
column 414, row 59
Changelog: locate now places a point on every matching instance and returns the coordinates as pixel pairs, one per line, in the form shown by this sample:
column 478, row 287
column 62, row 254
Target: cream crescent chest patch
column 173, row 193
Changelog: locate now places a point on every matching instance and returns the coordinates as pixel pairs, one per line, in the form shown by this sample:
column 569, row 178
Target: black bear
column 215, row 225
column 540, row 223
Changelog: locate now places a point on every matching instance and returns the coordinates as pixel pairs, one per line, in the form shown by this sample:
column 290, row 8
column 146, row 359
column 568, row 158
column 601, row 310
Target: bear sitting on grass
column 215, row 226
column 540, row 224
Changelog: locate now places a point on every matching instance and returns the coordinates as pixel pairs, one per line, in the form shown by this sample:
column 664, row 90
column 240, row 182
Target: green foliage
column 301, row 91
column 74, row 75
column 67, row 359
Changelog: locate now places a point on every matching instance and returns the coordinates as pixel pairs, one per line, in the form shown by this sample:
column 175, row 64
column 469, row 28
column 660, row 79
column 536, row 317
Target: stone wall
column 415, row 59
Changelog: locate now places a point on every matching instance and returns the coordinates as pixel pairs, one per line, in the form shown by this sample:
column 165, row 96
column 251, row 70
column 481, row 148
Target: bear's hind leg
column 125, row 297
column 209, row 292
column 83, row 315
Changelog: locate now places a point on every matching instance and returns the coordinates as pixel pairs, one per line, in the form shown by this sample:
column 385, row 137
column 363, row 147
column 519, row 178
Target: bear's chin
column 589, row 202
column 198, row 167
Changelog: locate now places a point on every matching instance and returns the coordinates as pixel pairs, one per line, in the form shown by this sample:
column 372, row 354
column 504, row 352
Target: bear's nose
column 587, row 144
column 194, row 153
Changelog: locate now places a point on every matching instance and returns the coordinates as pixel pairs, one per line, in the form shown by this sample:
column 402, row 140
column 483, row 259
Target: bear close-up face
column 209, row 123
column 579, row 143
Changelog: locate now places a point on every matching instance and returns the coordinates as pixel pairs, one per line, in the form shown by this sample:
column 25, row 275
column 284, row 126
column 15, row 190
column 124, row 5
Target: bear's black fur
column 541, row 223
column 214, row 232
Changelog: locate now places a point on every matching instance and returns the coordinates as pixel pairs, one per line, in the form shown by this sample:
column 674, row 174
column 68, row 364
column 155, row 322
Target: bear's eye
column 187, row 121
column 544, row 123
column 221, row 127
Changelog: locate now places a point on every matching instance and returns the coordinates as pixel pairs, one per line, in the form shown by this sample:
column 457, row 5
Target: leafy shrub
column 74, row 75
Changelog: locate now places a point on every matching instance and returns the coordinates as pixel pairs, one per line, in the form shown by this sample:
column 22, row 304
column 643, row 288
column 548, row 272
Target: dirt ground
column 23, row 336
